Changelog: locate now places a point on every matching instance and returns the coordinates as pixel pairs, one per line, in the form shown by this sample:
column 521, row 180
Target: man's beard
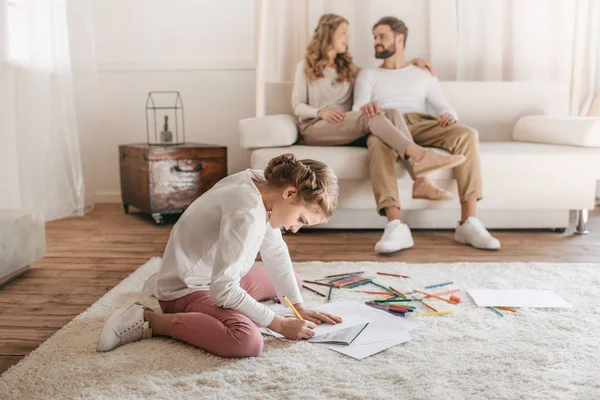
column 385, row 53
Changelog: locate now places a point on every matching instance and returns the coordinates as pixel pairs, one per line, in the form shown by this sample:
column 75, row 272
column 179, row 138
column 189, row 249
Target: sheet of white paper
column 375, row 335
column 348, row 321
column 383, row 332
column 344, row 336
column 379, row 318
column 517, row 298
column 362, row 351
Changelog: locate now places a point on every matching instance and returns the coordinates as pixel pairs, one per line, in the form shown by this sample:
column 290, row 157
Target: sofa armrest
column 569, row 131
column 270, row 131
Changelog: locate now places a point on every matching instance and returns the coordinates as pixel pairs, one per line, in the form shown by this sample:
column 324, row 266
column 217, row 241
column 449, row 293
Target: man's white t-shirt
column 409, row 89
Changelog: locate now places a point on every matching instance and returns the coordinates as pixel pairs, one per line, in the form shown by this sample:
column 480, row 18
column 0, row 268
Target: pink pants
column 221, row 331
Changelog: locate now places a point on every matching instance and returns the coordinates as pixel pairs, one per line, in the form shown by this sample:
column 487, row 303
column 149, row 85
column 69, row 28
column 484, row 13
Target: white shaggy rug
column 471, row 354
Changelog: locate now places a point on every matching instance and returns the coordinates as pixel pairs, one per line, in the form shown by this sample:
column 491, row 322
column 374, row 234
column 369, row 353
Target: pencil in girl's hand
column 296, row 313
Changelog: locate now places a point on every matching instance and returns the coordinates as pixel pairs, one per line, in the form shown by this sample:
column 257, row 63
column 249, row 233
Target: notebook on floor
column 343, row 337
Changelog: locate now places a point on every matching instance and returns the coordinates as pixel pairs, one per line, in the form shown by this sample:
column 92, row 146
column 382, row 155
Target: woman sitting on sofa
column 322, row 100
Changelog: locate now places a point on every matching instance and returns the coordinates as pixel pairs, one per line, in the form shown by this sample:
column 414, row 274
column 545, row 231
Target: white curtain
column 525, row 40
column 41, row 165
column 517, row 40
column 283, row 28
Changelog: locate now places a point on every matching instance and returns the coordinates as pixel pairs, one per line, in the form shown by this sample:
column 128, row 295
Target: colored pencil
column 393, row 301
column 396, row 275
column 397, row 306
column 507, row 309
column 381, row 286
column 444, row 293
column 397, row 292
column 349, row 282
column 329, row 295
column 351, row 278
column 435, row 297
column 314, row 291
column 357, row 284
column 438, row 285
column 349, row 273
column 386, row 308
column 364, row 291
column 432, row 314
column 296, row 313
column 353, row 281
column 397, row 314
column 494, row 309
column 319, row 283
column 344, row 279
column 428, row 306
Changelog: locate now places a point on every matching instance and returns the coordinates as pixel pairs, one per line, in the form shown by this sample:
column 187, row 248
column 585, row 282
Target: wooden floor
column 88, row 256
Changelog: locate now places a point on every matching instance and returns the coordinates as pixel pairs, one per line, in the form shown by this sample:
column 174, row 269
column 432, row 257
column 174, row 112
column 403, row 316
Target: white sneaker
column 472, row 232
column 396, row 237
column 125, row 325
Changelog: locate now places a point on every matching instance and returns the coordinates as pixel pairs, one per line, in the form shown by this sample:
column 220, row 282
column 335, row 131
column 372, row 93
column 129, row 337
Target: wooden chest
column 167, row 179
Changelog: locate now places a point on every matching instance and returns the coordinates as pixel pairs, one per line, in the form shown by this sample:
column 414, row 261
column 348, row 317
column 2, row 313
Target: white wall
column 202, row 48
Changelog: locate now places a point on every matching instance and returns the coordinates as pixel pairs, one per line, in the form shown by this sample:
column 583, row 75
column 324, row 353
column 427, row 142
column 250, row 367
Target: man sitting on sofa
column 398, row 85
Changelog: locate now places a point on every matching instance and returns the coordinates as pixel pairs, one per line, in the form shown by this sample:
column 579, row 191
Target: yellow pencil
column 431, row 313
column 293, row 308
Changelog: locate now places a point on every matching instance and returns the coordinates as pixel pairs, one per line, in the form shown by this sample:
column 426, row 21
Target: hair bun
column 287, row 158
column 315, row 182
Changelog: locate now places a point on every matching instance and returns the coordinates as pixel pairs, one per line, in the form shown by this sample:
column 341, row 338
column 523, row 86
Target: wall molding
column 107, row 197
column 234, row 64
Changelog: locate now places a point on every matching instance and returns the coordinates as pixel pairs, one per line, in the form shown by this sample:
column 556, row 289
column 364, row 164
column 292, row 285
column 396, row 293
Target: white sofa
column 539, row 167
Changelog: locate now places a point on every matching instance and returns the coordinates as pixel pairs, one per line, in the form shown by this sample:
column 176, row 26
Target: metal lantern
column 164, row 118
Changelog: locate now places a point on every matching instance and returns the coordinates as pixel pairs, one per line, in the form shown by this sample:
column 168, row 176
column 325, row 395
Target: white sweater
column 215, row 243
column 309, row 98
column 408, row 89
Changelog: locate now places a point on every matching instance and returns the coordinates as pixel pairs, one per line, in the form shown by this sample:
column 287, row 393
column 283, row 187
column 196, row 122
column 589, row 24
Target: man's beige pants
column 425, row 130
column 389, row 126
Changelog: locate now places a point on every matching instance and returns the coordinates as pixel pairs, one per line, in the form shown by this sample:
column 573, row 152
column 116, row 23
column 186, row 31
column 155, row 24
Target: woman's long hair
column 320, row 44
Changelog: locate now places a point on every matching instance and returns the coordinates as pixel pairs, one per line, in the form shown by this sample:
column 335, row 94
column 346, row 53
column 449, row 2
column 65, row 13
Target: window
column 17, row 31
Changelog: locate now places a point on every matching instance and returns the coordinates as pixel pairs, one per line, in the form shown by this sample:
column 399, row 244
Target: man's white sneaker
column 396, row 237
column 125, row 325
column 472, row 232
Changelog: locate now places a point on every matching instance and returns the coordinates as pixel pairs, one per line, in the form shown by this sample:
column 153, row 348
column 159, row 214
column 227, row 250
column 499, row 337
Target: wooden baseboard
column 13, row 275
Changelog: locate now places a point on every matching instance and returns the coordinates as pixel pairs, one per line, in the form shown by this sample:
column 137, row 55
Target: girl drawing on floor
column 207, row 287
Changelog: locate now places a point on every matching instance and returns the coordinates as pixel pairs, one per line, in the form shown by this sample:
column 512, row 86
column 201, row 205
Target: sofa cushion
column 496, row 158
column 269, row 131
column 571, row 131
